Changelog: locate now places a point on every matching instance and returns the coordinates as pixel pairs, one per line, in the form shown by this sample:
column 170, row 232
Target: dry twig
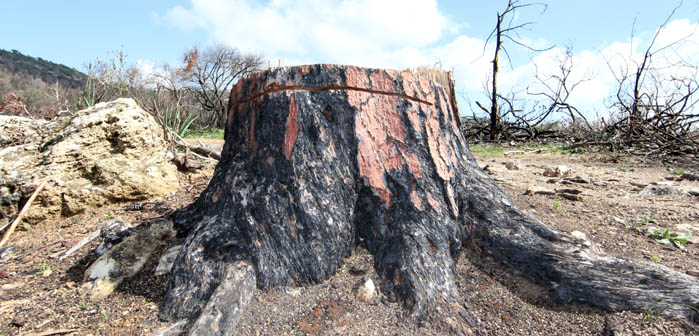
column 21, row 214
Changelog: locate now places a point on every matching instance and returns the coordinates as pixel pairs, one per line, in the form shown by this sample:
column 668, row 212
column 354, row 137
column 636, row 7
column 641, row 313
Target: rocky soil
column 620, row 202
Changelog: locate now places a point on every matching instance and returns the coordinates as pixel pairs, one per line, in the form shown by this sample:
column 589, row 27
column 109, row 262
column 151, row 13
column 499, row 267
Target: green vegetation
column 207, row 133
column 652, row 313
column 665, row 237
column 109, row 215
column 42, row 268
column 105, row 315
column 49, row 72
column 678, row 172
column 486, row 149
column 557, row 205
column 492, row 150
column 172, row 119
column 656, row 258
column 642, row 222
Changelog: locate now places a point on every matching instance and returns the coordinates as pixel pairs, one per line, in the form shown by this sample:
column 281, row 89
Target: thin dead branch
column 21, row 214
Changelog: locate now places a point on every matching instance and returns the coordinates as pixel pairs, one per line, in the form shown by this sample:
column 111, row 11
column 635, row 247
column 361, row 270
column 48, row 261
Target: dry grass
column 434, row 74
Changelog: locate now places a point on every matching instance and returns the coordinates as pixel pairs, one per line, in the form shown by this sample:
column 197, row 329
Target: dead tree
column 556, row 89
column 505, row 29
column 212, row 72
column 655, row 102
column 321, row 158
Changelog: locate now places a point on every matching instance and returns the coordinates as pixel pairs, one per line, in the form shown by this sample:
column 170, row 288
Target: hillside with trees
column 37, row 86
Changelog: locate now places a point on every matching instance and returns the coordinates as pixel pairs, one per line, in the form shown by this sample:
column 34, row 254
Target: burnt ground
column 40, row 293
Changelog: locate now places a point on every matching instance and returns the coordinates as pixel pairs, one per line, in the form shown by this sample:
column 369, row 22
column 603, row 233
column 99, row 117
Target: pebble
column 366, row 291
column 18, row 322
column 513, row 165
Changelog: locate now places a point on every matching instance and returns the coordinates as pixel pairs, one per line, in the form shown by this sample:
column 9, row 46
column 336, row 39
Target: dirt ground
column 39, row 293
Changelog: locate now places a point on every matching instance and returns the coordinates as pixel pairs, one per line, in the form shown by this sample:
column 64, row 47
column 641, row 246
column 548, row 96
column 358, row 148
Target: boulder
column 124, row 260
column 110, row 152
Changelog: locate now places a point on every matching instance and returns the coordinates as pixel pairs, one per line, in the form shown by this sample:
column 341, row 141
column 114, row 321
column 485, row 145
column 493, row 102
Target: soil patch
column 40, row 293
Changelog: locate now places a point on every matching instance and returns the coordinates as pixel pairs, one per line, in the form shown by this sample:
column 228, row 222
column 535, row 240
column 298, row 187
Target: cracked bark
column 320, row 158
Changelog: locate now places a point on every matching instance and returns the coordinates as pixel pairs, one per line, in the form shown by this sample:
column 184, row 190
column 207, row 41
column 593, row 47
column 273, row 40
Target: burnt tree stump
column 320, row 158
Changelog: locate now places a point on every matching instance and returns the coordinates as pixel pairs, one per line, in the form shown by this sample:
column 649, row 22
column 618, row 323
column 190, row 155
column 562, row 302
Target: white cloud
column 401, row 34
column 348, row 31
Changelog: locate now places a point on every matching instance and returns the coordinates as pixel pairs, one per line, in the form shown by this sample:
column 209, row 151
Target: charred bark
column 320, row 158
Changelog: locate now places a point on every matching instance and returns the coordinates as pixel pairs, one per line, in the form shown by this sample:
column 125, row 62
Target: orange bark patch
column 438, row 149
column 415, row 198
column 378, row 127
column 433, row 203
column 452, row 201
column 357, row 78
column 292, row 128
column 414, row 120
column 253, row 141
column 380, row 130
column 381, row 81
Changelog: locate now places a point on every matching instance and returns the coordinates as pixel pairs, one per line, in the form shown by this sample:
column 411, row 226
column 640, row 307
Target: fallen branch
column 538, row 150
column 52, row 332
column 92, row 236
column 21, row 214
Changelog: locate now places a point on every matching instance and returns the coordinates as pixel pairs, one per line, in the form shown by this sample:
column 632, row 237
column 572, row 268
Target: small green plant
column 557, row 205
column 82, row 305
column 105, row 315
column 656, row 258
column 652, row 313
column 91, row 94
column 172, row 119
column 645, row 220
column 109, row 215
column 678, row 172
column 666, row 237
column 42, row 267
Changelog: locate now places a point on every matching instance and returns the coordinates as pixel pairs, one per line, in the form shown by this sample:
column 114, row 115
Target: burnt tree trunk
column 321, row 158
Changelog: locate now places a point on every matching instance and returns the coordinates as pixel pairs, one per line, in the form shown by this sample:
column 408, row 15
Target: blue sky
column 387, row 33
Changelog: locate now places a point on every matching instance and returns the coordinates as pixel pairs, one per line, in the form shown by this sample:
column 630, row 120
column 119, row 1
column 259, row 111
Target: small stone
column 664, row 183
column 6, row 251
column 167, row 260
column 638, row 185
column 550, row 172
column 544, row 192
column 18, row 322
column 578, row 179
column 689, row 177
column 571, row 197
column 579, row 235
column 694, row 272
column 619, row 220
column 294, row 291
column 113, row 232
column 564, row 171
column 569, row 191
column 513, row 165
column 366, row 291
column 10, row 286
column 358, row 270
